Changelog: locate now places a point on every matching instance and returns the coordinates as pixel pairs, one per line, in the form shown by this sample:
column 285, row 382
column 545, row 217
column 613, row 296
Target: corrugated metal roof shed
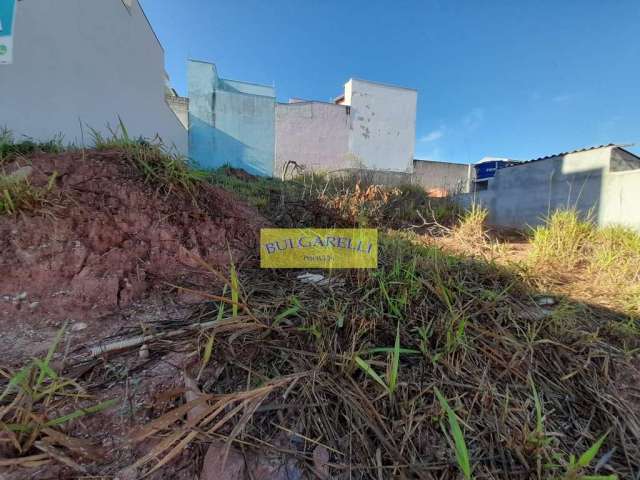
column 609, row 145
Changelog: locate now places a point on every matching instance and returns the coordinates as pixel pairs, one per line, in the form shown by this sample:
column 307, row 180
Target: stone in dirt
column 237, row 466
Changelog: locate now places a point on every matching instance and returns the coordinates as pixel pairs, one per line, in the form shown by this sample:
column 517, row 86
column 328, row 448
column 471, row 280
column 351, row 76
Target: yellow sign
column 318, row 248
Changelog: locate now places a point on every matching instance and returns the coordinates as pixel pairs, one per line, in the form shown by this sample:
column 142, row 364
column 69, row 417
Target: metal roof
column 579, row 150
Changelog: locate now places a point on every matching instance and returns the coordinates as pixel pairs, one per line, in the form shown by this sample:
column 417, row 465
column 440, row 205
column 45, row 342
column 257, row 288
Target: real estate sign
column 7, row 18
column 318, row 248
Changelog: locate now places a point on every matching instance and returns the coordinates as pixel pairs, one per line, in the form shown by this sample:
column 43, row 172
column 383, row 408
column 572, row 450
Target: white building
column 88, row 61
column 370, row 126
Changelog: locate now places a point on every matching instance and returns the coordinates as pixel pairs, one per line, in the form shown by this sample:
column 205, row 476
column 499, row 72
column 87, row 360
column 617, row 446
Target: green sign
column 7, row 22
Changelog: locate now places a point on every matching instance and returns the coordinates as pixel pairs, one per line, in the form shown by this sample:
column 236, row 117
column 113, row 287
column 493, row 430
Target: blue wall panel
column 230, row 123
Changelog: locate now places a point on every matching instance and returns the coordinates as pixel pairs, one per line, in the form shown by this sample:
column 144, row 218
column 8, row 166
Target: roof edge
column 390, row 85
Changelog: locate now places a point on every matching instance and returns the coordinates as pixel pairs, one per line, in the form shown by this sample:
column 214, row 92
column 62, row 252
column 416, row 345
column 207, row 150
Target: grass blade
column 235, row 290
column 586, row 458
column 462, row 454
column 16, row 380
column 81, row 412
column 44, row 366
column 538, row 406
column 369, row 371
column 395, row 363
column 208, row 350
column 403, row 351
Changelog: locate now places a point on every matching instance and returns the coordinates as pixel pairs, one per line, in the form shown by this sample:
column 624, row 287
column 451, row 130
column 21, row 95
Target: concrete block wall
column 449, row 177
column 315, row 135
column 621, row 193
column 56, row 79
column 522, row 196
column 374, row 177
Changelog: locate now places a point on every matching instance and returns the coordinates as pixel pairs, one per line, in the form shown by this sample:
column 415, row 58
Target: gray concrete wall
column 85, row 61
column 180, row 106
column 621, row 194
column 523, row 195
column 374, row 177
column 432, row 175
column 621, row 160
column 315, row 135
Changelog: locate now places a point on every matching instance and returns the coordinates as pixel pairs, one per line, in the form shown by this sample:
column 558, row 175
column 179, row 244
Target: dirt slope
column 108, row 237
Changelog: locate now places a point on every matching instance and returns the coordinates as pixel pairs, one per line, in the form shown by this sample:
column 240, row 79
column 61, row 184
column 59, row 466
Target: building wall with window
column 89, row 62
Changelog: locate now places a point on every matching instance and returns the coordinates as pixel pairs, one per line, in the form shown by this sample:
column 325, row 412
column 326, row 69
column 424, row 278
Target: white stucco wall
column 89, row 61
column 312, row 134
column 383, row 126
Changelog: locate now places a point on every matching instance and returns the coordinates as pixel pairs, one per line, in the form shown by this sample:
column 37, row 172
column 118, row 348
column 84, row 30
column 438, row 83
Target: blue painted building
column 230, row 122
column 487, row 168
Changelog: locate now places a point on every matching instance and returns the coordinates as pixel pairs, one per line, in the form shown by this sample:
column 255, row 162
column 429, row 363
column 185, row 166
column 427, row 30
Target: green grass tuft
column 562, row 240
column 160, row 165
column 17, row 194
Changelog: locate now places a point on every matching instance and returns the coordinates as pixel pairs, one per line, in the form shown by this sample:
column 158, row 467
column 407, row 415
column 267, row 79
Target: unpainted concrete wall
column 86, row 61
column 621, row 161
column 383, row 124
column 374, row 177
column 180, row 107
column 315, row 135
column 621, row 199
column 451, row 177
column 522, row 196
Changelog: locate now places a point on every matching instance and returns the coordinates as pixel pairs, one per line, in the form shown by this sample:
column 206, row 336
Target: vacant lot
column 467, row 353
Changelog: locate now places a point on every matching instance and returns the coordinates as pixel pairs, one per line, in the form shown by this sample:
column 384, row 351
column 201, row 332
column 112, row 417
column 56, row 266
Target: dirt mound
column 110, row 236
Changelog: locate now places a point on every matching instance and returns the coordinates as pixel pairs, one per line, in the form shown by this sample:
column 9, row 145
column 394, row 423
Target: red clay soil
column 109, row 237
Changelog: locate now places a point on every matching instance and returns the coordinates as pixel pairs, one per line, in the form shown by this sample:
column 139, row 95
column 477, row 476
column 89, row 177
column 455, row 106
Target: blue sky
column 519, row 79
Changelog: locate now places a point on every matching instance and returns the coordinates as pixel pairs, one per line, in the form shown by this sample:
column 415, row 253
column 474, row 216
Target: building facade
column 230, row 122
column 383, row 127
column 79, row 64
column 314, row 135
column 371, row 126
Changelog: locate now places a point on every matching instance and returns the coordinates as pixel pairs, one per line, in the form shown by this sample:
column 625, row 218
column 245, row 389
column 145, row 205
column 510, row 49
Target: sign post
column 7, row 20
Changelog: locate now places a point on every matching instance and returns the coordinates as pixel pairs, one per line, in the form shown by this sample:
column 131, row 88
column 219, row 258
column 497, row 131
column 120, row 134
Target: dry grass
column 356, row 367
column 562, row 242
column 31, row 414
column 605, row 262
column 17, row 194
column 405, row 206
column 434, row 365
column 470, row 230
column 10, row 149
column 158, row 164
